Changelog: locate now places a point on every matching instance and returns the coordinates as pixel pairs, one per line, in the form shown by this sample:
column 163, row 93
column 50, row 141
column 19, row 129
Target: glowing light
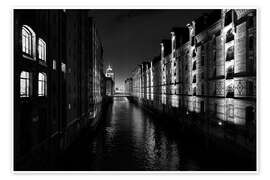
column 151, row 82
column 220, row 123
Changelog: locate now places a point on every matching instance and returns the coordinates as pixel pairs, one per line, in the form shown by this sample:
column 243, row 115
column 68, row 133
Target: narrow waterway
column 130, row 138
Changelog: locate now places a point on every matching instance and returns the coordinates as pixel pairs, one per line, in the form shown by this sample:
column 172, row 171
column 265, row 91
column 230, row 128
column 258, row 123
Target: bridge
column 121, row 94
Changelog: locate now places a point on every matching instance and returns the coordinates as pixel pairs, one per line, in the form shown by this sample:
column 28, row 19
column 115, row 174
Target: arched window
column 25, row 84
column 28, row 41
column 42, row 84
column 41, row 49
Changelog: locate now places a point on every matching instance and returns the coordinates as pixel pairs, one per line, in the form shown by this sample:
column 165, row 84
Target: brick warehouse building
column 58, row 61
column 207, row 71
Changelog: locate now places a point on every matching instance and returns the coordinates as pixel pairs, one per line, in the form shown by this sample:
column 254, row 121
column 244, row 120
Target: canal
column 131, row 138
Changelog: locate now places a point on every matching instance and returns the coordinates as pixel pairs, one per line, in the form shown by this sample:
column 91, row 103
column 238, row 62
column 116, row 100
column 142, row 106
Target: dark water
column 129, row 138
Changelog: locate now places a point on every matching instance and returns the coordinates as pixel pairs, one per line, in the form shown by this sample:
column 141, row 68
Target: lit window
column 41, row 49
column 25, row 84
column 230, row 53
column 229, row 36
column 28, row 40
column 63, row 67
column 54, row 64
column 230, row 72
column 42, row 84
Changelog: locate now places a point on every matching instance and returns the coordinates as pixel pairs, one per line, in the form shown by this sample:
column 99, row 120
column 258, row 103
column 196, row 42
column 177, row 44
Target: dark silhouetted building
column 58, row 61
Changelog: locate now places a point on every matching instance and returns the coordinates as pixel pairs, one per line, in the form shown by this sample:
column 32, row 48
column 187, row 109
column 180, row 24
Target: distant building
column 128, row 86
column 110, row 73
column 109, row 86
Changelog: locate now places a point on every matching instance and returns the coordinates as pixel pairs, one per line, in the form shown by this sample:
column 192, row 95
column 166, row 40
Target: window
column 202, row 106
column 251, row 43
column 214, row 72
column 214, row 56
column 54, row 64
column 41, row 49
column 193, row 41
column 194, row 53
column 230, row 72
column 229, row 36
column 230, row 91
column 202, row 61
column 250, row 88
column 228, row 18
column 250, row 115
column 230, row 53
column 28, row 40
column 194, row 65
column 25, row 84
column 251, row 21
column 194, row 91
column 63, row 67
column 42, row 84
column 194, row 79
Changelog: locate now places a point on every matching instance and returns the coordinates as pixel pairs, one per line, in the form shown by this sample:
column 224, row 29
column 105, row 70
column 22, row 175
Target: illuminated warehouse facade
column 207, row 70
column 58, row 61
column 128, row 86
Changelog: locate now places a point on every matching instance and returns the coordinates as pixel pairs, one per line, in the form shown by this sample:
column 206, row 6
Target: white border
column 125, row 172
column 262, row 73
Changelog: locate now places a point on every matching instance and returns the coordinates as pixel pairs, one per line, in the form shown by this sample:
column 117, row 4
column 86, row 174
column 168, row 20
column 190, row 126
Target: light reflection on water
column 128, row 138
column 130, row 141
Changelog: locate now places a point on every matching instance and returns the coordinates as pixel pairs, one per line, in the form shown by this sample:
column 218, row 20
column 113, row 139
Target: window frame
column 26, row 80
column 28, row 42
column 42, row 84
column 42, row 50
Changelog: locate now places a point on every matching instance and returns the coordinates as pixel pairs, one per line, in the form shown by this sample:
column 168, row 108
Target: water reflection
column 130, row 139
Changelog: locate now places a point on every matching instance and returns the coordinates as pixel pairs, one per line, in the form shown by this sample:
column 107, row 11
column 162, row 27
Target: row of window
column 26, row 84
column 29, row 49
column 29, row 44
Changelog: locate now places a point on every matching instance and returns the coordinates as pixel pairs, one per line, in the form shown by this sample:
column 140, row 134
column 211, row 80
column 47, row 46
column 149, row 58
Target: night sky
column 132, row 36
